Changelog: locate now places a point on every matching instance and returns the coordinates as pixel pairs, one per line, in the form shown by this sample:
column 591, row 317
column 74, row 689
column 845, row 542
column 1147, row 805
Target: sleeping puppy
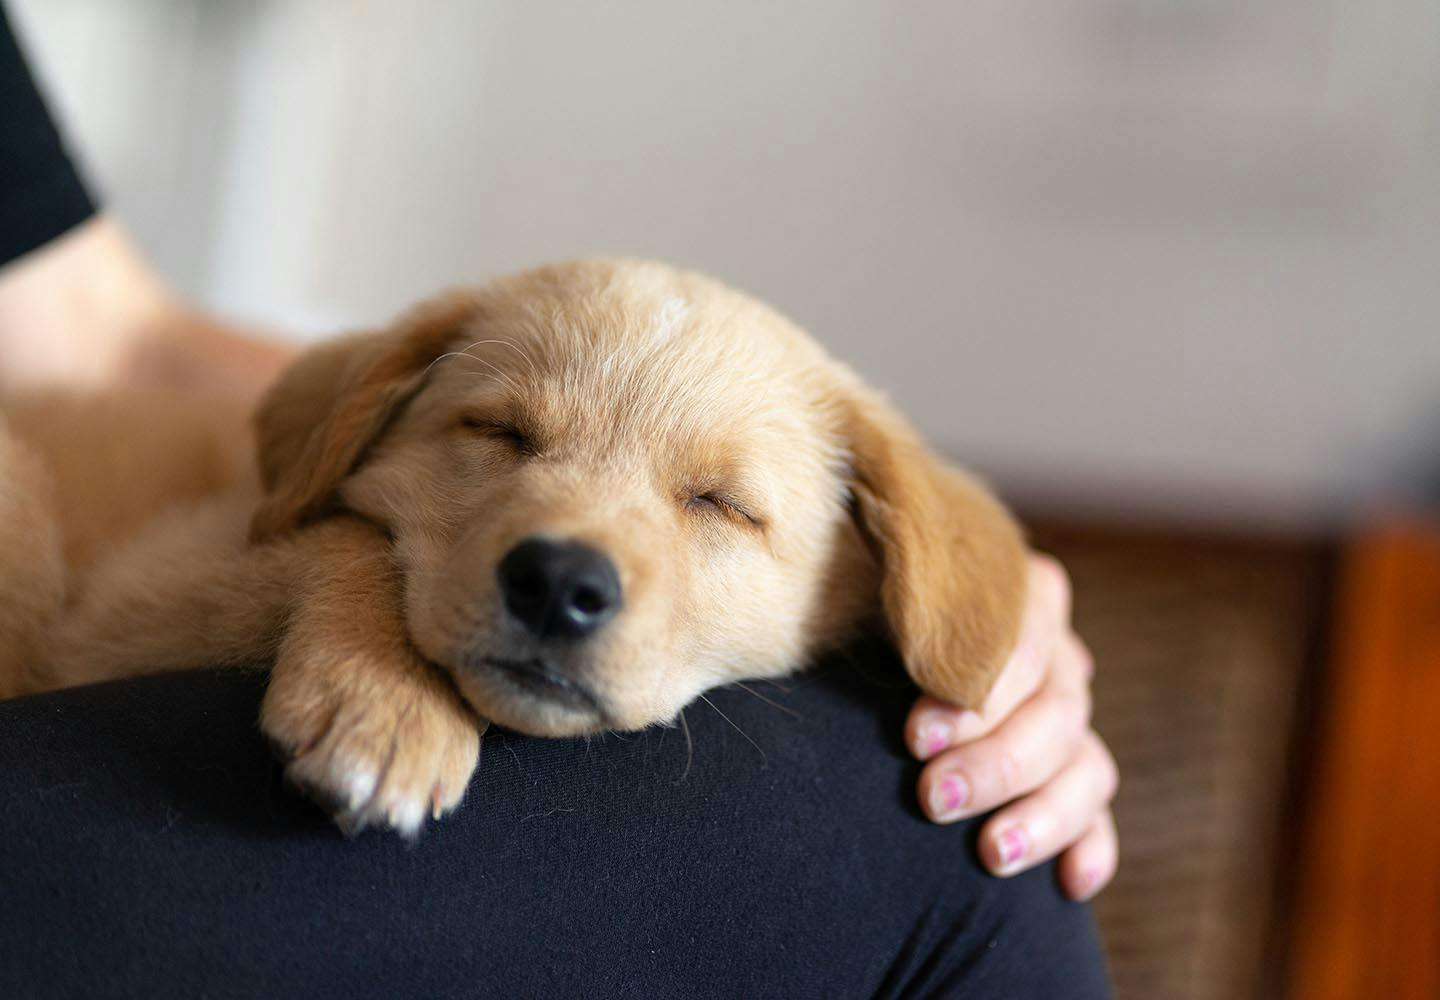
column 568, row 502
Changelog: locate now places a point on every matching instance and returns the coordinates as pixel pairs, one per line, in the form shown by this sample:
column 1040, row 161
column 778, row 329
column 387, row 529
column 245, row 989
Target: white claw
column 407, row 815
column 359, row 785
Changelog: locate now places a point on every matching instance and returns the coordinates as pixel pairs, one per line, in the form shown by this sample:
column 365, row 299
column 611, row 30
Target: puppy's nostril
column 559, row 589
column 589, row 601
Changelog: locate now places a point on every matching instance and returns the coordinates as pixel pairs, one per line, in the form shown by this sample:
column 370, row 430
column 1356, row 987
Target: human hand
column 1031, row 746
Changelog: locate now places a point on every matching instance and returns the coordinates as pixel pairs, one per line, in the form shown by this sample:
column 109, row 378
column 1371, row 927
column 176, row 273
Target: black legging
column 146, row 849
column 150, row 850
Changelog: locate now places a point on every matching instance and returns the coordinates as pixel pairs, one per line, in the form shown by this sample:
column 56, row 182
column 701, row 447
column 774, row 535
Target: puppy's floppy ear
column 952, row 559
column 316, row 422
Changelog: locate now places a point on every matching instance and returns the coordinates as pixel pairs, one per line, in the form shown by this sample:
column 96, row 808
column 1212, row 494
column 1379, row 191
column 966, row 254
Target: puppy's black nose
column 559, row 590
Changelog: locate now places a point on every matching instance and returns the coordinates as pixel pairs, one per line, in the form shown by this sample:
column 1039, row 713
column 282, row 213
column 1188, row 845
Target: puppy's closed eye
column 500, row 429
column 725, row 505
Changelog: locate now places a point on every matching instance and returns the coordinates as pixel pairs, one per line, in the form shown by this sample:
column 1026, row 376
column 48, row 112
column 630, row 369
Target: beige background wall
column 1159, row 256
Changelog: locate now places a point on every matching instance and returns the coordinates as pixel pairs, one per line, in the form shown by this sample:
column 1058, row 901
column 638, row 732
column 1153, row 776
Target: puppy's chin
column 522, row 695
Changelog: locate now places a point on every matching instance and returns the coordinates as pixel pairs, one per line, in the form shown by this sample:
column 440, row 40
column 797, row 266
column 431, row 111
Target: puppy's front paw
column 377, row 747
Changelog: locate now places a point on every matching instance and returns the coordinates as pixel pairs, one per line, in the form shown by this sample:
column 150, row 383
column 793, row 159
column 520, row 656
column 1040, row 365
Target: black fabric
column 149, row 849
column 41, row 195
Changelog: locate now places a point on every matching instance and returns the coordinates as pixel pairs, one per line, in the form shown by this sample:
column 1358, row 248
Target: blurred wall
column 1161, row 257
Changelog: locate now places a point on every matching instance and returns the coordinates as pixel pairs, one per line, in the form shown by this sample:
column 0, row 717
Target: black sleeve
column 41, row 195
column 149, row 850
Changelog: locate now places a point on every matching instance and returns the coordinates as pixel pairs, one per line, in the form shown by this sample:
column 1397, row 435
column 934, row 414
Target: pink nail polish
column 949, row 797
column 1012, row 846
column 937, row 738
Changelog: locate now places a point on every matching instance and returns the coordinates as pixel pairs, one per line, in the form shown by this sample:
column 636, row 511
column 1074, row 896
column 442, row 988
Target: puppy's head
column 613, row 485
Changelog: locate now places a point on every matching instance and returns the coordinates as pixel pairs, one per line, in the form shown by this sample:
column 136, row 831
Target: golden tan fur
column 757, row 500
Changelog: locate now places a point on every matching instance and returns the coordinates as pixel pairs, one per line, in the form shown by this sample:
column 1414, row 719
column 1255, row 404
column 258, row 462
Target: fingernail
column 1010, row 846
column 1091, row 878
column 934, row 737
column 949, row 797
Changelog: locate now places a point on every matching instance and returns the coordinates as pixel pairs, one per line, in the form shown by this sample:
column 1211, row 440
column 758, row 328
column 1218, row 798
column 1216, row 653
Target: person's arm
column 1032, row 747
column 80, row 305
column 88, row 309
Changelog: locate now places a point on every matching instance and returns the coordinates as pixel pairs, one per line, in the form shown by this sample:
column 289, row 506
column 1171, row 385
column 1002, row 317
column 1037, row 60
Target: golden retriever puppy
column 567, row 502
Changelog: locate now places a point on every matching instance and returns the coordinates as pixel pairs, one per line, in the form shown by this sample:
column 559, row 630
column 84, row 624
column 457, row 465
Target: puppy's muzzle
column 559, row 590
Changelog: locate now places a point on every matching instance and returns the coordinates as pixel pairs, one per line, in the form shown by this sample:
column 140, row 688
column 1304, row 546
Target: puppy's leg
column 185, row 592
column 369, row 726
column 32, row 567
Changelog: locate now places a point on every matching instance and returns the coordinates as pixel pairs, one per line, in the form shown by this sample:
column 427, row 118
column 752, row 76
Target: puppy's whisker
column 446, row 357
column 505, row 379
column 764, row 757
column 689, row 746
column 514, row 756
column 529, row 361
column 773, row 704
column 498, row 343
column 782, row 688
column 530, row 364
